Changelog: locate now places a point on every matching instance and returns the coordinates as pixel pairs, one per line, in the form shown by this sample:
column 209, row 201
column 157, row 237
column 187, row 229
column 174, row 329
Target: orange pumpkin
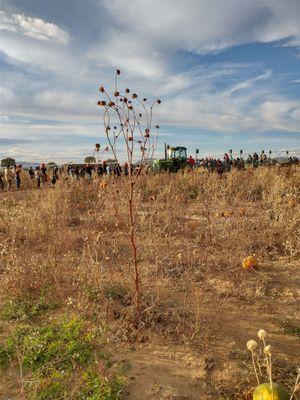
column 250, row 262
column 103, row 184
column 226, row 214
column 292, row 202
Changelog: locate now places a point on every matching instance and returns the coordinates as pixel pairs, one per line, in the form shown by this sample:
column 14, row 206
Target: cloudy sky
column 227, row 71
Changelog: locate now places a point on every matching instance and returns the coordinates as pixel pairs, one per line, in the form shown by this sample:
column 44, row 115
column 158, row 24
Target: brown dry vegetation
column 64, row 252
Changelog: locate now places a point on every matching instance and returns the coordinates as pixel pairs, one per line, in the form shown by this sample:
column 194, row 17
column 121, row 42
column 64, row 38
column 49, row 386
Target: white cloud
column 35, row 55
column 200, row 26
column 281, row 114
column 125, row 50
column 190, row 100
column 154, row 32
column 249, row 82
column 36, row 28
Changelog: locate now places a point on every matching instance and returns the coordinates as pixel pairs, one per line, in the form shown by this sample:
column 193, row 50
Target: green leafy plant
column 54, row 387
column 96, row 387
column 62, row 345
column 52, row 356
column 25, row 309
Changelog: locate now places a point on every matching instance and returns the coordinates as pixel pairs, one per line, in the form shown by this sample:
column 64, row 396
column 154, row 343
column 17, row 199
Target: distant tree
column 110, row 161
column 51, row 164
column 8, row 162
column 90, row 160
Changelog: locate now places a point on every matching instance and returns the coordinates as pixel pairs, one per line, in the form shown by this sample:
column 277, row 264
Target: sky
column 227, row 72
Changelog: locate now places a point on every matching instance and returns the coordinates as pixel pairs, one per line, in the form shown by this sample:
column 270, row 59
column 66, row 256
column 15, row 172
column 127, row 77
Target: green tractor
column 175, row 159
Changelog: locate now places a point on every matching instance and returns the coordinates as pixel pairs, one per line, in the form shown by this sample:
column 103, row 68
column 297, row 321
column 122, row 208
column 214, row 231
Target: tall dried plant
column 131, row 117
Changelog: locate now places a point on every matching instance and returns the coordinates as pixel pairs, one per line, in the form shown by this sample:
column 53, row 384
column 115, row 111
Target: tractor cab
column 176, row 152
column 175, row 159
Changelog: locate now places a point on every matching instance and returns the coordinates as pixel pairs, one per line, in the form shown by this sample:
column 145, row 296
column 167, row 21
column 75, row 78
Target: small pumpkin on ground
column 226, row 214
column 250, row 262
column 264, row 392
column 292, row 202
column 103, row 184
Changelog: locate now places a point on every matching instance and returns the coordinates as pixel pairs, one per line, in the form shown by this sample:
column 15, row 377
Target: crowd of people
column 220, row 165
column 11, row 176
column 40, row 176
column 100, row 169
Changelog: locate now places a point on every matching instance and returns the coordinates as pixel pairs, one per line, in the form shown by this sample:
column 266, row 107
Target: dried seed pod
column 130, row 107
column 134, row 96
column 130, row 138
column 147, row 130
column 144, row 99
column 147, row 135
column 140, row 115
column 101, row 89
column 158, row 101
column 118, row 72
column 101, row 103
column 111, row 104
column 108, row 128
column 121, row 99
column 125, row 99
column 127, row 90
column 262, row 334
column 251, row 345
column 157, row 126
column 116, row 94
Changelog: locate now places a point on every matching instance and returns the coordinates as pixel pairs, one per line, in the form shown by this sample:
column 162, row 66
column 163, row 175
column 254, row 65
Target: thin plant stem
column 254, row 367
column 297, row 385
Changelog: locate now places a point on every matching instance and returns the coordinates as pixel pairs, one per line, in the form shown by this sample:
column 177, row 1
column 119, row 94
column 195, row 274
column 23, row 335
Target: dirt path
column 167, row 373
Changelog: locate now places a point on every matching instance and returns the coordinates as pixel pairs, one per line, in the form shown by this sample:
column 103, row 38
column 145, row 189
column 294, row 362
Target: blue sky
column 227, row 71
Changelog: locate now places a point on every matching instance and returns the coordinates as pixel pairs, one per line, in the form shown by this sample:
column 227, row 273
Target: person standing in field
column 126, row 169
column 54, row 176
column 191, row 161
column 44, row 176
column 1, row 182
column 89, row 171
column 37, row 175
column 31, row 174
column 18, row 170
column 8, row 177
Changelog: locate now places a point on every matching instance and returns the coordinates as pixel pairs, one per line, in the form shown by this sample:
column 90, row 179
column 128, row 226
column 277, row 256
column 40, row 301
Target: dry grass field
column 68, row 325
